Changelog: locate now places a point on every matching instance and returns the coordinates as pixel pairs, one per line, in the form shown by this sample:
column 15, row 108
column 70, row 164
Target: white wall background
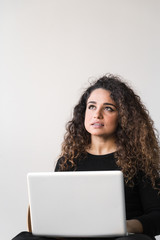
column 49, row 49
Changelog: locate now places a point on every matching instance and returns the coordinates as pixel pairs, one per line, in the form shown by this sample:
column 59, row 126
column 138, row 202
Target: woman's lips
column 97, row 124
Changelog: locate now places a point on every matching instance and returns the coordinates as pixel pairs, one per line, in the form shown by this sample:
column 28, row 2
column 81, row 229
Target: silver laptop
column 77, row 204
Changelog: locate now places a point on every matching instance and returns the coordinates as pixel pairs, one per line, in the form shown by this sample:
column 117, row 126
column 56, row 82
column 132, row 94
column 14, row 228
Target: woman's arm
column 29, row 220
column 134, row 226
column 150, row 200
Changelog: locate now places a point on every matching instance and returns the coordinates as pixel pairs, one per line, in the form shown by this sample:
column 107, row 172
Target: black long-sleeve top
column 142, row 201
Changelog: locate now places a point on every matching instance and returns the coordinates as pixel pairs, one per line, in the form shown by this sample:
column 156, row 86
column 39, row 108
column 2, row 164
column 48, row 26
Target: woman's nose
column 98, row 113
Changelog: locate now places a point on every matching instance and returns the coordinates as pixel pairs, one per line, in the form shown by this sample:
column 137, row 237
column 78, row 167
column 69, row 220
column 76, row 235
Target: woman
column 111, row 129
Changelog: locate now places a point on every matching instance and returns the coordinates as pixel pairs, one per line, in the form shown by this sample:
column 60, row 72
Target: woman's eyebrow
column 110, row 104
column 92, row 102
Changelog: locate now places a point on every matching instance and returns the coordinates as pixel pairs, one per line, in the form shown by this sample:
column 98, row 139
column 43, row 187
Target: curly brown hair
column 136, row 138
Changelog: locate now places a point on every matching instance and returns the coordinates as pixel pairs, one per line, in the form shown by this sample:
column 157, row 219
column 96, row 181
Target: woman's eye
column 91, row 107
column 109, row 109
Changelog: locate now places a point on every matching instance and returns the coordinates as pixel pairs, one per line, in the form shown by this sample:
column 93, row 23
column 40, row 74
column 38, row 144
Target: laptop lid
column 77, row 204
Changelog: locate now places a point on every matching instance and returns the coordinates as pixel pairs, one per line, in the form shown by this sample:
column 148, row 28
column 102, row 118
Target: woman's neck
column 101, row 146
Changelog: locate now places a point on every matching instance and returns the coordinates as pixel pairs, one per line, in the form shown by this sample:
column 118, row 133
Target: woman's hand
column 134, row 226
column 29, row 220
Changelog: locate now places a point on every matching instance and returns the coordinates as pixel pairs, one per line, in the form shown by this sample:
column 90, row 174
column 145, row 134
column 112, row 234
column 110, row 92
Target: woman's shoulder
column 58, row 164
column 64, row 164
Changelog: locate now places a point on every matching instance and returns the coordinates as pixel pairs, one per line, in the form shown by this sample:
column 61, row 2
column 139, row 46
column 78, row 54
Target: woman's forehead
column 100, row 95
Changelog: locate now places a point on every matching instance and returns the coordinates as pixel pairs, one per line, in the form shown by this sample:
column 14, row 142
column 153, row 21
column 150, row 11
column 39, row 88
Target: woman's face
column 101, row 116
